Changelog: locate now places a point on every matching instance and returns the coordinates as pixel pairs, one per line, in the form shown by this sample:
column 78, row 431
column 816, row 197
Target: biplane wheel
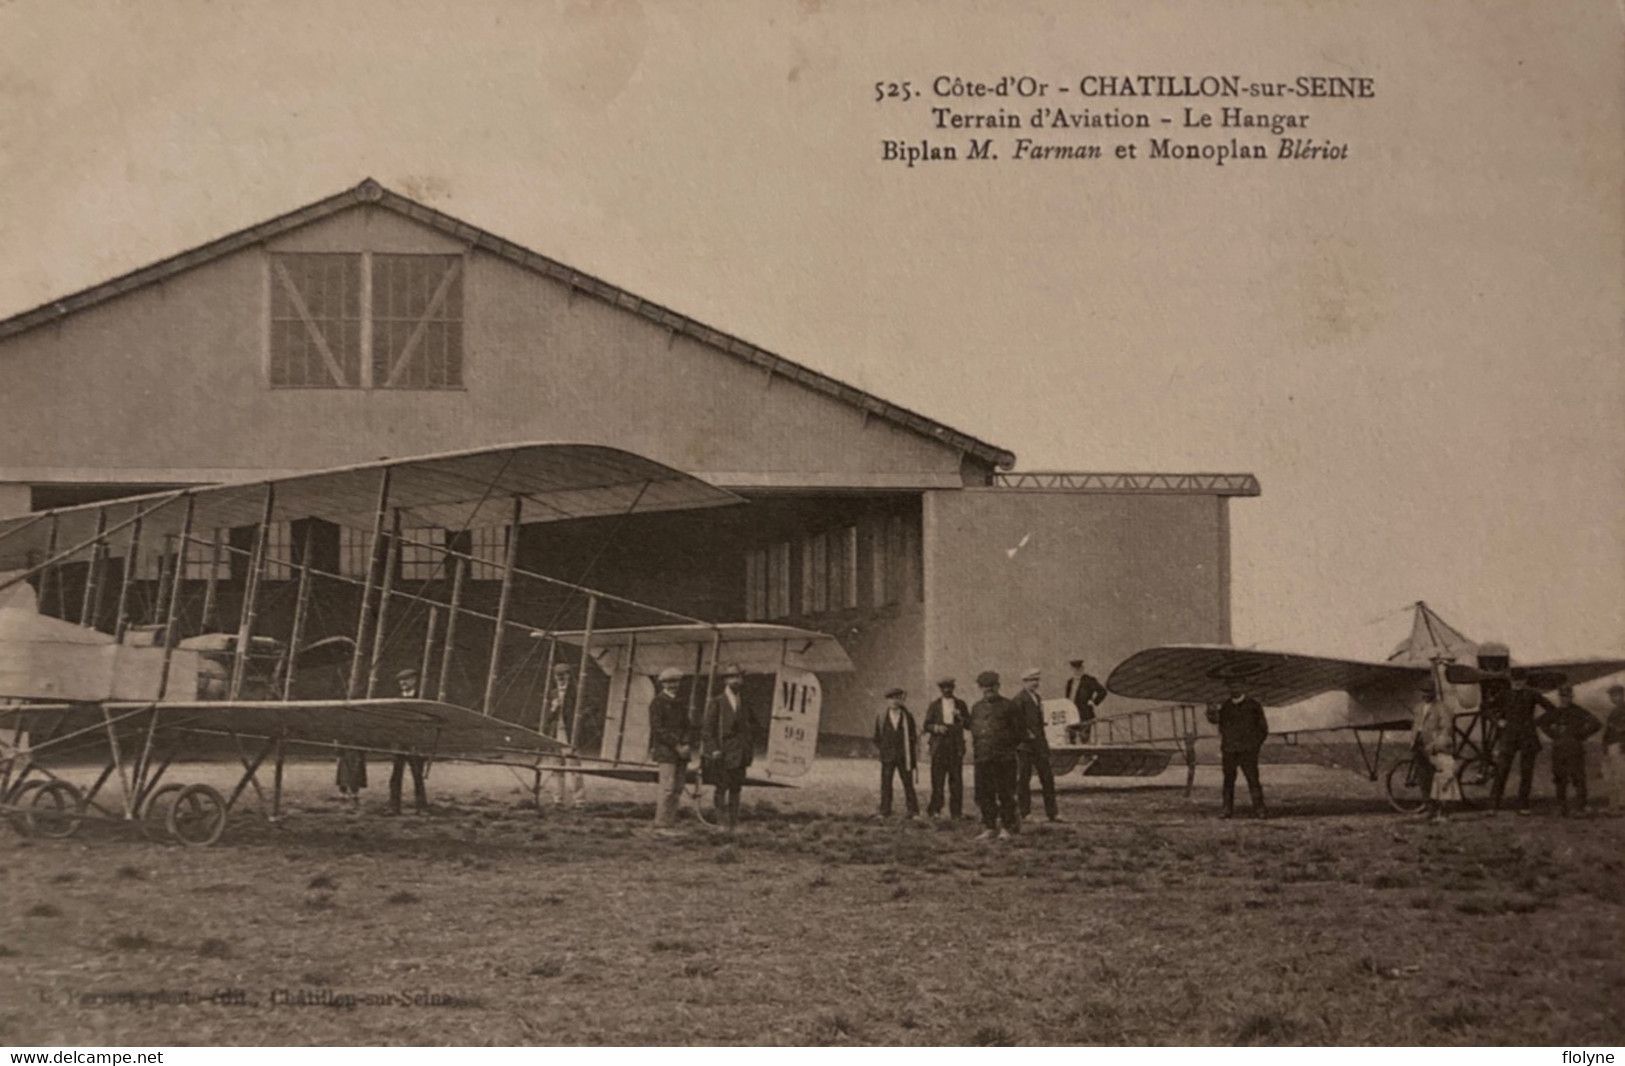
column 1405, row 791
column 54, row 810
column 155, row 813
column 1476, row 777
column 17, row 798
column 198, row 816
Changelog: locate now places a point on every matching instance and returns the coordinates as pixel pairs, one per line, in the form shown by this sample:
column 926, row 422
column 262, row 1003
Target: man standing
column 559, row 722
column 407, row 681
column 730, row 742
column 1613, row 748
column 1242, row 730
column 996, row 730
column 897, row 744
column 946, row 719
column 1034, row 752
column 669, row 739
column 1086, row 693
column 1518, row 740
column 1569, row 725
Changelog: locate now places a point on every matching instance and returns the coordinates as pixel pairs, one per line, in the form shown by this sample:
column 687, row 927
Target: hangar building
column 368, row 325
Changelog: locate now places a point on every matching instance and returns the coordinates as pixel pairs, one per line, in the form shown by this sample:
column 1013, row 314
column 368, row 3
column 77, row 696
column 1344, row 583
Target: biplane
column 127, row 662
column 1309, row 694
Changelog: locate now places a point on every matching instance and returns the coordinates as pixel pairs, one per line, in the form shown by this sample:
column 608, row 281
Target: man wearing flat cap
column 946, row 719
column 897, row 744
column 997, row 731
column 407, row 681
column 1086, row 693
column 1517, row 740
column 730, row 742
column 669, row 743
column 562, row 721
column 1034, row 752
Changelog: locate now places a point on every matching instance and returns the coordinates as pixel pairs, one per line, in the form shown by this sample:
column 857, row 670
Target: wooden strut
column 89, row 601
column 53, row 557
column 626, row 693
column 363, row 615
column 166, row 571
column 251, row 596
column 301, row 611
column 172, row 609
column 211, row 590
column 127, row 572
column 581, row 677
column 428, row 651
column 49, row 567
column 392, row 558
column 459, row 573
column 503, row 601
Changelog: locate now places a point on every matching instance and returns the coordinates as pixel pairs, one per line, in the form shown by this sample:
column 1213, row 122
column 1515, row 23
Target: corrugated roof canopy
column 456, row 490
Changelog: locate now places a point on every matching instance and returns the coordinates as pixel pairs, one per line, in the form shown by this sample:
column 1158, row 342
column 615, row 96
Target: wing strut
column 172, row 611
column 53, row 557
column 301, row 612
column 459, row 573
column 504, row 598
column 364, row 615
column 91, row 599
column 131, row 562
column 386, row 588
column 581, row 676
column 251, row 595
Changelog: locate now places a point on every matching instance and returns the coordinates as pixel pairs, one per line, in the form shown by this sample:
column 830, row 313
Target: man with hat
column 669, row 743
column 1613, row 747
column 946, row 719
column 559, row 721
column 407, row 680
column 1569, row 725
column 730, row 742
column 997, row 731
column 1034, row 752
column 1086, row 693
column 897, row 743
column 1243, row 728
column 1517, row 740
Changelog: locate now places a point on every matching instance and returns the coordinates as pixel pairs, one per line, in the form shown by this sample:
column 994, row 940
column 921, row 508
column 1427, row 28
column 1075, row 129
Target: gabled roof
column 371, row 192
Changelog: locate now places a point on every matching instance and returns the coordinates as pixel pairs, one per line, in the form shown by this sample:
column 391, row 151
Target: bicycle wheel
column 1405, row 791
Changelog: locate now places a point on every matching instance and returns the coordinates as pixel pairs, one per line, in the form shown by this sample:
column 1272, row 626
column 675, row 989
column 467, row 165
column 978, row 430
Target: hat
column 670, row 673
column 732, row 670
column 1032, row 675
column 402, row 675
column 945, row 682
column 561, row 668
column 987, row 679
column 895, row 694
column 1074, row 662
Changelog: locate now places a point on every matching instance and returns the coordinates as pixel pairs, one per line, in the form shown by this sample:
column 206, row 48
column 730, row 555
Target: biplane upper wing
column 421, row 727
column 1202, row 673
column 754, row 647
column 455, row 490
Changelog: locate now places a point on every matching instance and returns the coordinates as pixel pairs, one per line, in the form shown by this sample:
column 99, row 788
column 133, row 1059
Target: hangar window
column 894, row 560
column 755, row 586
column 778, row 581
column 423, row 554
column 278, row 551
column 202, row 556
column 815, row 574
column 355, row 552
column 366, row 320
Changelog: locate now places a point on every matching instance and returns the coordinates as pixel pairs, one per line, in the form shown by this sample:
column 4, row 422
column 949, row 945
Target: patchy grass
column 1141, row 919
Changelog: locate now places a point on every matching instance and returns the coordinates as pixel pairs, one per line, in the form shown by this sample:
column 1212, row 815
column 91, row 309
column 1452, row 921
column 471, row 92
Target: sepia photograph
column 812, row 523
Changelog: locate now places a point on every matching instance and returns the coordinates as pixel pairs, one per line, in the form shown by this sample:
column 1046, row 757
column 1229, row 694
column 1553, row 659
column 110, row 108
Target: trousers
column 672, row 776
column 1247, row 763
column 995, row 784
column 420, row 796
column 1026, row 763
column 887, row 768
column 1505, row 755
column 1569, row 768
column 947, row 769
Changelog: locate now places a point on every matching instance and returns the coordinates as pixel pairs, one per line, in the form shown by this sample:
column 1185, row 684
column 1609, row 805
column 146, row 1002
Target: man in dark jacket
column 730, row 742
column 407, row 681
column 946, row 719
column 670, row 736
column 997, row 731
column 1242, row 731
column 1034, row 754
column 1086, row 693
column 1517, row 740
column 897, row 743
column 1569, row 725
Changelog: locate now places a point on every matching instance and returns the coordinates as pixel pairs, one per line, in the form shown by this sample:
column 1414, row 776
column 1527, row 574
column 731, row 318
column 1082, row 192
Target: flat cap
column 403, row 674
column 945, row 682
column 1074, row 662
column 895, row 694
column 1032, row 675
column 988, row 679
column 732, row 670
column 670, row 673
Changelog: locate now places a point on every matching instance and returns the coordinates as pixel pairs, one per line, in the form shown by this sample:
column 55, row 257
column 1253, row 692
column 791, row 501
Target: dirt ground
column 1142, row 918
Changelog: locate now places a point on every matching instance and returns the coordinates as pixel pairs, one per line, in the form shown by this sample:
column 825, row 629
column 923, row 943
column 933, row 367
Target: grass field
column 1141, row 919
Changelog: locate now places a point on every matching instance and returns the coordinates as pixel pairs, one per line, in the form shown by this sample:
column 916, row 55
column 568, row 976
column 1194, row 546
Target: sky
column 1419, row 349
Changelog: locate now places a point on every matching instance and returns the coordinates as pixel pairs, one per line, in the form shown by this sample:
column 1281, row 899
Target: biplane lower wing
column 390, row 726
column 1203, row 673
column 649, row 774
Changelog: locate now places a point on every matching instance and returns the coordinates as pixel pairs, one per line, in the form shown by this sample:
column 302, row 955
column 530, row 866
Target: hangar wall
column 1021, row 578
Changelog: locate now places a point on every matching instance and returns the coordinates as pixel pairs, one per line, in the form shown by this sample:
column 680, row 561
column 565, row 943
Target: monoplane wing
column 1202, row 673
column 421, row 727
column 757, row 648
column 455, row 490
column 1542, row 676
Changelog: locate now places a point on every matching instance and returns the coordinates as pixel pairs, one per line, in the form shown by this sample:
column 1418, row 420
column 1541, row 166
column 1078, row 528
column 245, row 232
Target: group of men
column 726, row 743
column 1008, row 742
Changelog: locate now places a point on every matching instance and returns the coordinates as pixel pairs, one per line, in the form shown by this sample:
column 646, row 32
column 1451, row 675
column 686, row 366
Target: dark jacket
column 585, row 733
column 1242, row 725
column 1085, row 693
column 669, row 728
column 1031, row 709
column 947, row 741
column 1518, row 718
column 900, row 743
column 729, row 732
column 1568, row 727
column 996, row 728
